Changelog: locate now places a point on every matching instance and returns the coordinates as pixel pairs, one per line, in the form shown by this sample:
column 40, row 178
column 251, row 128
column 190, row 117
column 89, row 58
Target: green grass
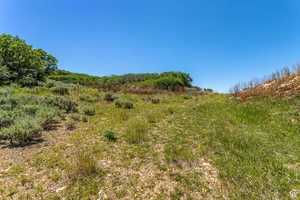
column 204, row 147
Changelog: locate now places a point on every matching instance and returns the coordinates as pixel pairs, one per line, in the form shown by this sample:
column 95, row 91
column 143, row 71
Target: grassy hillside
column 60, row 138
column 165, row 147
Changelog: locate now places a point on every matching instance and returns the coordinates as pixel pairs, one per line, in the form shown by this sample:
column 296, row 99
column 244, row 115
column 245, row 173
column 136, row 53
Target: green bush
column 30, row 109
column 62, row 103
column 110, row 136
column 6, row 119
column 76, row 117
column 22, row 64
column 121, row 103
column 22, row 131
column 60, row 90
column 89, row 110
column 155, row 100
column 168, row 83
column 109, row 97
column 47, row 117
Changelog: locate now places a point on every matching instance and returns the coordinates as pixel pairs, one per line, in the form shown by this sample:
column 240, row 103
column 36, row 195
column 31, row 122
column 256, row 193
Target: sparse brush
column 88, row 98
column 76, row 117
column 71, row 124
column 122, row 103
column 155, row 100
column 60, row 90
column 110, row 136
column 152, row 117
column 89, row 110
column 109, row 97
column 30, row 109
column 123, row 115
column 187, row 97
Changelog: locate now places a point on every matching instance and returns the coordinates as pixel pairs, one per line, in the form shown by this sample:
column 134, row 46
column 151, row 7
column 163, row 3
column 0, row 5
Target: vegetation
column 20, row 63
column 164, row 146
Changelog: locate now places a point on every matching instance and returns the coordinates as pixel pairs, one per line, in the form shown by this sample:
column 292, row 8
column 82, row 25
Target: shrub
column 76, row 117
column 110, row 136
column 155, row 100
column 60, row 90
column 9, row 100
column 89, row 110
column 6, row 119
column 136, row 132
column 88, row 98
column 71, row 124
column 187, row 97
column 109, row 97
column 47, row 117
column 62, row 103
column 22, row 131
column 120, row 103
column 30, row 109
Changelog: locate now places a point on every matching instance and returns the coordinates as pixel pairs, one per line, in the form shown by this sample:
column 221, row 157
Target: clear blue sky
column 218, row 42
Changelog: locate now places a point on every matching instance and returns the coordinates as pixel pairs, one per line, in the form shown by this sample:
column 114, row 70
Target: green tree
column 22, row 63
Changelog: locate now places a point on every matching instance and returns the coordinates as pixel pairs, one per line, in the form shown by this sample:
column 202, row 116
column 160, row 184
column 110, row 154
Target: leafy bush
column 62, row 103
column 6, row 119
column 136, row 132
column 89, row 110
column 60, row 90
column 30, row 109
column 109, row 97
column 121, row 103
column 110, row 136
column 22, row 131
column 47, row 117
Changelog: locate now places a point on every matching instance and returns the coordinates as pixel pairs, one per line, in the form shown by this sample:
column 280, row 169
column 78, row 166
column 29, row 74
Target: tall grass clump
column 82, row 165
column 136, row 131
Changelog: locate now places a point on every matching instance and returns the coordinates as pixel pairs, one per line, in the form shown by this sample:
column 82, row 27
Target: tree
column 184, row 77
column 24, row 64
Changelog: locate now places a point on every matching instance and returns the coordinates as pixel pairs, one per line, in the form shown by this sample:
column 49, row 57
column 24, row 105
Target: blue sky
column 219, row 42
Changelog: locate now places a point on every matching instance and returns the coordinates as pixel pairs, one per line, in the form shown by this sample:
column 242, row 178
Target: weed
column 110, row 136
